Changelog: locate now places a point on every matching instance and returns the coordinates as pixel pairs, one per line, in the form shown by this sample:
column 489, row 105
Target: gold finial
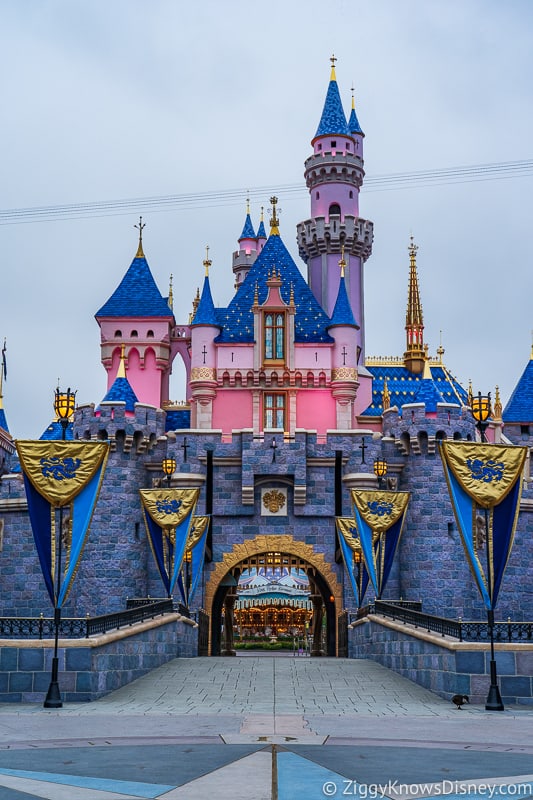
column 248, row 201
column 470, row 392
column 3, row 371
column 195, row 304
column 386, row 395
column 121, row 371
column 291, row 298
column 256, row 295
column 170, row 294
column 440, row 348
column 262, row 214
column 342, row 262
column 333, row 77
column 207, row 262
column 498, row 408
column 412, row 250
column 353, row 97
column 140, row 227
column 274, row 221
column 427, row 369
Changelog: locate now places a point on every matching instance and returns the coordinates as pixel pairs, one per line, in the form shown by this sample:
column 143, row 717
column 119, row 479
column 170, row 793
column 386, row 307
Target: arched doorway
column 325, row 590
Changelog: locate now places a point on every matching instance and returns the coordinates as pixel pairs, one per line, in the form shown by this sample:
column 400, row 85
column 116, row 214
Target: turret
column 414, row 356
column 204, row 329
column 121, row 390
column 334, row 175
column 139, row 317
column 244, row 257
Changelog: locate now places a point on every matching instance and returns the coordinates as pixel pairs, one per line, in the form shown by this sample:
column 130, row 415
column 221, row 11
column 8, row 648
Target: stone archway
column 282, row 543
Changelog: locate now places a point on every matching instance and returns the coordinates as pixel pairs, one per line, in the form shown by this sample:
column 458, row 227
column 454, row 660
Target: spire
column 342, row 312
column 140, row 227
column 121, row 371
column 386, row 395
column 333, row 120
column 353, row 122
column 3, row 376
column 206, row 313
column 274, row 221
column 428, row 392
column 497, row 405
column 414, row 356
column 170, row 294
column 261, row 232
column 207, row 262
column 248, row 229
column 195, row 304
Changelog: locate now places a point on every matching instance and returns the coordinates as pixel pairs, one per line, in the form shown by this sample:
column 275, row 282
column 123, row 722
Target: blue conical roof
column 429, row 394
column 353, row 123
column 333, row 120
column 520, row 405
column 206, row 313
column 3, row 420
column 137, row 295
column 261, row 232
column 121, row 392
column 342, row 313
column 237, row 320
column 248, row 230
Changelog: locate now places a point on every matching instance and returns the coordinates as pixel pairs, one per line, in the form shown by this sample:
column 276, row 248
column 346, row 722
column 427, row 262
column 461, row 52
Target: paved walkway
column 257, row 728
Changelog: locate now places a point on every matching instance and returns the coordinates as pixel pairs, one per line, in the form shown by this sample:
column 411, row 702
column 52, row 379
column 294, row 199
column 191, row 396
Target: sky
column 122, row 99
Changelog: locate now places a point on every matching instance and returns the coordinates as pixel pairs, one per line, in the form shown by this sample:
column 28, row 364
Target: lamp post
column 187, row 559
column 274, row 446
column 168, row 465
column 357, row 558
column 64, row 404
column 481, row 411
column 380, row 470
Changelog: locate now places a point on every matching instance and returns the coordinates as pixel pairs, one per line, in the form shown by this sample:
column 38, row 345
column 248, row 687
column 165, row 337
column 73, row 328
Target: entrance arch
column 323, row 576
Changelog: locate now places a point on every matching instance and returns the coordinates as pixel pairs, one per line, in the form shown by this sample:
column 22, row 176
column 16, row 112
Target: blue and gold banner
column 379, row 518
column 196, row 543
column 168, row 516
column 61, row 475
column 352, row 554
column 485, row 486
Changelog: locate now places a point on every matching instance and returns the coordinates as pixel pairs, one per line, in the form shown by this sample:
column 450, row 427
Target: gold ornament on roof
column 207, row 261
column 274, row 221
column 498, row 408
column 140, row 227
column 342, row 262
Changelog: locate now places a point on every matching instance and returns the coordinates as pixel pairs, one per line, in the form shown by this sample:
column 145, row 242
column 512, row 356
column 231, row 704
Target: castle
column 284, row 415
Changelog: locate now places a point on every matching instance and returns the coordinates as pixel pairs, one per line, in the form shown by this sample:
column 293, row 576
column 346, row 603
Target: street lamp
column 187, row 559
column 380, row 470
column 481, row 411
column 357, row 559
column 64, row 405
column 168, row 466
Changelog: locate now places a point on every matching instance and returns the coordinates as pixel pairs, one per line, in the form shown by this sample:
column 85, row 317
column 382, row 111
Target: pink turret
column 204, row 329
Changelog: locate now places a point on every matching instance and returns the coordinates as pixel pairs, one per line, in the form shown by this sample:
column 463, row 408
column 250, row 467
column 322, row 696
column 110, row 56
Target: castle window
column 274, row 410
column 274, row 332
column 150, row 334
column 118, row 334
column 351, row 195
column 334, row 143
column 335, row 209
column 524, row 430
column 134, row 333
column 347, row 145
column 317, row 195
column 320, row 146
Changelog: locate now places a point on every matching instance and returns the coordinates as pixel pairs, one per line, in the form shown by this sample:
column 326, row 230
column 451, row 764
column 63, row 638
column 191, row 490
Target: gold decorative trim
column 267, row 543
column 203, row 374
column 344, row 374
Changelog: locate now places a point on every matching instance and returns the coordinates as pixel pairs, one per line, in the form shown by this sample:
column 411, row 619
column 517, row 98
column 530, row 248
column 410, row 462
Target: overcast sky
column 121, row 99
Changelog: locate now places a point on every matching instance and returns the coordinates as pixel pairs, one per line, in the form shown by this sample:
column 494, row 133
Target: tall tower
column 334, row 175
column 414, row 356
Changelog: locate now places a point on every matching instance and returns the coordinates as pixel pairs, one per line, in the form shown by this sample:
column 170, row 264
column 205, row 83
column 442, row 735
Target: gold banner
column 486, row 472
column 59, row 470
column 198, row 526
column 380, row 510
column 344, row 527
column 169, row 507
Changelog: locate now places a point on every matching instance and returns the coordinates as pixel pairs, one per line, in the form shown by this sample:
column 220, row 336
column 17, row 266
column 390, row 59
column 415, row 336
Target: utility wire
column 373, row 183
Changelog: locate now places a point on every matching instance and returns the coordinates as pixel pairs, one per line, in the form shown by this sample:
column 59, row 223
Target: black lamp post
column 168, row 466
column 274, row 446
column 187, row 558
column 481, row 411
column 357, row 558
column 380, row 470
column 64, row 404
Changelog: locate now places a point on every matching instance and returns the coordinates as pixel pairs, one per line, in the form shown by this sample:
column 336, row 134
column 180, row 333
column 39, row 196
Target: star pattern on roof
column 404, row 387
column 136, row 295
column 237, row 320
column 333, row 120
column 520, row 405
column 206, row 313
column 248, row 230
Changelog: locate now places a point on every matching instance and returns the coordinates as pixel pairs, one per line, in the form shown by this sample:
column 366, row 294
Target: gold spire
column 414, row 356
column 121, row 371
column 207, row 262
column 440, row 348
column 470, row 392
column 274, row 222
column 170, row 294
column 195, row 304
column 353, row 98
column 291, row 297
column 141, row 226
column 342, row 262
column 248, row 202
column 497, row 408
column 261, row 220
column 386, row 396
column 2, row 371
column 333, row 77
column 427, row 371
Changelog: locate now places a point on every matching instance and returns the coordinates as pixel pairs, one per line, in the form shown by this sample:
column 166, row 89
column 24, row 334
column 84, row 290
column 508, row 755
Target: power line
column 376, row 183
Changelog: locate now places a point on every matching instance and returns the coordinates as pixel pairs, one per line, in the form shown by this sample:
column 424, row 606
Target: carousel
column 272, row 602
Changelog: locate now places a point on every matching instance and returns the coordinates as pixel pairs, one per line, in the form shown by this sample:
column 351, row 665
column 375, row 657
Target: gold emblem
column 274, row 500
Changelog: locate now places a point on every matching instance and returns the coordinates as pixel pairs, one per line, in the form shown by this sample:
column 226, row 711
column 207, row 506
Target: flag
column 168, row 515
column 379, row 518
column 484, row 483
column 350, row 545
column 61, row 475
column 4, row 361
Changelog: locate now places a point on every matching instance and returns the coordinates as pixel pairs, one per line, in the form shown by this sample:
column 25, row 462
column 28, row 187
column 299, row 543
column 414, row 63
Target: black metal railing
column 457, row 629
column 80, row 627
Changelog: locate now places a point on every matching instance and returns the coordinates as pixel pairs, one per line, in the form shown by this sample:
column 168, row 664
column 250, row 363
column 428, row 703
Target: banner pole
column 494, row 699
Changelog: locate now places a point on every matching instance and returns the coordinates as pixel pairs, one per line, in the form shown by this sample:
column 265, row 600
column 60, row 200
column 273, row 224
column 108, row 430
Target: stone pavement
column 264, row 728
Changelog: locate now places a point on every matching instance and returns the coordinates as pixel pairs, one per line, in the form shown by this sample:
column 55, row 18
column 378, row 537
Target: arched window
column 150, row 334
column 134, row 333
column 335, row 209
column 118, row 334
column 274, row 337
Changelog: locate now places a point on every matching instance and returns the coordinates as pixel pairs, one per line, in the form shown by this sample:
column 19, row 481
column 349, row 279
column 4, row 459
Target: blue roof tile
column 3, row 420
column 54, row 432
column 206, row 313
column 342, row 313
column 248, row 230
column 178, row 419
column 428, row 393
column 353, row 123
column 333, row 120
column 520, row 405
column 237, row 320
column 121, row 392
column 137, row 295
column 261, row 232
column 403, row 387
